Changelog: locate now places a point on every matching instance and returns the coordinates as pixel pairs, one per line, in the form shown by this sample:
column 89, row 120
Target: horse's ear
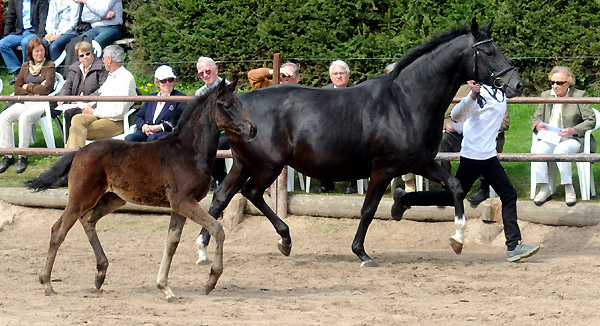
column 488, row 28
column 474, row 28
column 232, row 84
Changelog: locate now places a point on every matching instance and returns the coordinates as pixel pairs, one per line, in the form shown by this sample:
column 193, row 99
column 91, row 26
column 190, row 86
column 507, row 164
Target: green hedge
column 368, row 34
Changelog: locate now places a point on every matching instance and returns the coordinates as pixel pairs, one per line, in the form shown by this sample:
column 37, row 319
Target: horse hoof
column 368, row 263
column 51, row 293
column 98, row 282
column 208, row 289
column 202, row 262
column 456, row 246
column 285, row 250
column 172, row 300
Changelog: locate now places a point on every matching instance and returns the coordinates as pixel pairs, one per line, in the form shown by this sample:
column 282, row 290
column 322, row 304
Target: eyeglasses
column 170, row 80
column 204, row 73
column 85, row 54
column 559, row 83
column 340, row 73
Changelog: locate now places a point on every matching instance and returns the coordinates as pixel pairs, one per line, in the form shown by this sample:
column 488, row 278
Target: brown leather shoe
column 21, row 164
column 6, row 162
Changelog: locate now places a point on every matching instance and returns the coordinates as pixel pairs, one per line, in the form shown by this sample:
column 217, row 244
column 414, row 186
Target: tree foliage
column 368, row 34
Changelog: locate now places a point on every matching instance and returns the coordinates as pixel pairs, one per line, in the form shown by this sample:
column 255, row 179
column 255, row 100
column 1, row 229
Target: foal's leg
column 434, row 171
column 190, row 208
column 232, row 183
column 162, row 280
column 377, row 186
column 106, row 205
column 75, row 209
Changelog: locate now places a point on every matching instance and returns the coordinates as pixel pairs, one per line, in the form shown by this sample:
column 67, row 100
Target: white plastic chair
column 45, row 121
column 126, row 125
column 584, row 169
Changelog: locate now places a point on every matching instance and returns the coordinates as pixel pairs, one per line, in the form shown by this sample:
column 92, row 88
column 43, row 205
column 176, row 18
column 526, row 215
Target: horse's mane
column 424, row 48
column 181, row 117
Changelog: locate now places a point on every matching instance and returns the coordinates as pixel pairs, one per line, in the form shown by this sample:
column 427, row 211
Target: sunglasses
column 170, row 80
column 205, row 72
column 85, row 54
column 559, row 83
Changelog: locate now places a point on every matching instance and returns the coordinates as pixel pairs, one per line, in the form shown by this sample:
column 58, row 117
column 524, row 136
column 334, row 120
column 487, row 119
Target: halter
column 498, row 81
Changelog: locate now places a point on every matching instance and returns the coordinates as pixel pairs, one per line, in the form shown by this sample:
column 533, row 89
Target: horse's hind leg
column 192, row 210
column 173, row 237
column 434, row 171
column 232, row 183
column 107, row 204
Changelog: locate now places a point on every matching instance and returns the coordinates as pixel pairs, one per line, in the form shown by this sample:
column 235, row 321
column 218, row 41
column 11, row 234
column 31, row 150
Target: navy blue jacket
column 146, row 113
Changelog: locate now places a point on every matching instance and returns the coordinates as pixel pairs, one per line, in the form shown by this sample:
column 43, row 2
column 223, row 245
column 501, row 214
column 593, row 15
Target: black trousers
column 468, row 172
column 219, row 172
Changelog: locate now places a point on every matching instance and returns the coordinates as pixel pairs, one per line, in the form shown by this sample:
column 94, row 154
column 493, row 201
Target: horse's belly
column 148, row 197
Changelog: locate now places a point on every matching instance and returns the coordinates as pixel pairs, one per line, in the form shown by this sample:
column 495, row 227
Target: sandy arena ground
column 420, row 281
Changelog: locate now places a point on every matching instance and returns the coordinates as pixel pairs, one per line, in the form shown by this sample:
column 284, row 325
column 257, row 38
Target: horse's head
column 490, row 66
column 229, row 114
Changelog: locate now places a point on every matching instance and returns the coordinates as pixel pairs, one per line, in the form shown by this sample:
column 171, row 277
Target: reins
column 498, row 81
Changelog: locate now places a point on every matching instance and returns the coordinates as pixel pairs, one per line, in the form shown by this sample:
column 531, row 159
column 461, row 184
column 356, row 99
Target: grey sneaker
column 522, row 251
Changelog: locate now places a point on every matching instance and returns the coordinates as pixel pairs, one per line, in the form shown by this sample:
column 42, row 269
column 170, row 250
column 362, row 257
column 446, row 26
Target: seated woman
column 572, row 120
column 154, row 119
column 36, row 77
column 63, row 16
column 84, row 77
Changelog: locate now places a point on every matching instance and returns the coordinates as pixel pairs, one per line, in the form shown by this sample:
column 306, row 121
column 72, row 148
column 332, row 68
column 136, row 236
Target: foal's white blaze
column 460, row 224
column 202, row 256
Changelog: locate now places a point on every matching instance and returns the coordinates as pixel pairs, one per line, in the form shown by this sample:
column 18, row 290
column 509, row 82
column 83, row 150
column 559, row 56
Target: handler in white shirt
column 482, row 111
column 106, row 119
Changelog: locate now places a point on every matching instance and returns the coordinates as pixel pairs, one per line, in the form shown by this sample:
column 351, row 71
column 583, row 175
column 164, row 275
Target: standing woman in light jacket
column 36, row 77
column 63, row 16
column 106, row 19
column 573, row 120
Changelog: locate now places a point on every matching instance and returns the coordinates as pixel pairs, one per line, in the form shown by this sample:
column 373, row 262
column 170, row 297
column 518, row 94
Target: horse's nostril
column 252, row 130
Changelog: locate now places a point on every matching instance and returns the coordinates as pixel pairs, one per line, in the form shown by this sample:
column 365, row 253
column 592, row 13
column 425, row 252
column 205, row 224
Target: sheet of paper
column 65, row 107
column 548, row 136
column 550, row 128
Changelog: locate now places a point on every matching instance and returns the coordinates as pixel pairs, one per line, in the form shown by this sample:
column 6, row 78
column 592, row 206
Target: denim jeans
column 10, row 42
column 105, row 35
column 58, row 46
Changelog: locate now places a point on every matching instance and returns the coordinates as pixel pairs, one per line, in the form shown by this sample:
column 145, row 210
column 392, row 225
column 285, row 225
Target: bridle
column 496, row 77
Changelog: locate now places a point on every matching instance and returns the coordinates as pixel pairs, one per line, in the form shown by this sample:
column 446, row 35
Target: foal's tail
column 49, row 178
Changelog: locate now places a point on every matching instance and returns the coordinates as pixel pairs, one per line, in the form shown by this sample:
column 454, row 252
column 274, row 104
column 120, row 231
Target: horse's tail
column 49, row 178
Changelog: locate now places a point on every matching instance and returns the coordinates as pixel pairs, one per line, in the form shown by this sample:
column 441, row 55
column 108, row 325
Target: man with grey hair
column 209, row 73
column 105, row 119
column 339, row 73
column 288, row 74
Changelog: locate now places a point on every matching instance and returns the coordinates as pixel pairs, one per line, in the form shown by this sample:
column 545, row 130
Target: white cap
column 164, row 72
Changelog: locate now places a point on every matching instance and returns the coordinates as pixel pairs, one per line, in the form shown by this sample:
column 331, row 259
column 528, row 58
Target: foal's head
column 228, row 114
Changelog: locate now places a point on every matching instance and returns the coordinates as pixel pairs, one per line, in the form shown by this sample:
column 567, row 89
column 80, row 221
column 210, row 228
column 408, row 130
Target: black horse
column 385, row 127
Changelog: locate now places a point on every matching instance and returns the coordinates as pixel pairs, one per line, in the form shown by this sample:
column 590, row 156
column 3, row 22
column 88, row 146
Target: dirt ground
column 419, row 279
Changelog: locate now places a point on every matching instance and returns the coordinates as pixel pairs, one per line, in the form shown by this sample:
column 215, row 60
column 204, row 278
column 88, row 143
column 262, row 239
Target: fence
column 279, row 191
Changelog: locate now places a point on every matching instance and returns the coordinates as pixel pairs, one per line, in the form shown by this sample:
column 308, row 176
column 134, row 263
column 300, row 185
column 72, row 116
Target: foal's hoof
column 50, row 293
column 208, row 288
column 456, row 246
column 98, row 281
column 284, row 249
column 172, row 300
column 368, row 263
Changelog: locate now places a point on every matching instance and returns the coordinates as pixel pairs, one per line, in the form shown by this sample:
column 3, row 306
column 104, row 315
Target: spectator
column 21, row 26
column 571, row 122
column 83, row 78
column 36, row 77
column 63, row 16
column 105, row 119
column 209, row 73
column 105, row 18
column 339, row 73
column 288, row 74
column 154, row 119
column 478, row 156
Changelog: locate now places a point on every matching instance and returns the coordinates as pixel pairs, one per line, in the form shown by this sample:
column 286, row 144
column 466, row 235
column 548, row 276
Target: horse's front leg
column 232, row 183
column 434, row 171
column 375, row 190
column 174, row 235
column 191, row 209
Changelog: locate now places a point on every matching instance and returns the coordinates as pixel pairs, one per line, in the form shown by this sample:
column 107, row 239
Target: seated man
column 288, row 74
column 105, row 119
column 154, row 119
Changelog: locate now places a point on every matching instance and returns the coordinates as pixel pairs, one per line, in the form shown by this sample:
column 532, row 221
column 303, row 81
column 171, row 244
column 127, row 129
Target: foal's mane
column 181, row 119
column 424, row 48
